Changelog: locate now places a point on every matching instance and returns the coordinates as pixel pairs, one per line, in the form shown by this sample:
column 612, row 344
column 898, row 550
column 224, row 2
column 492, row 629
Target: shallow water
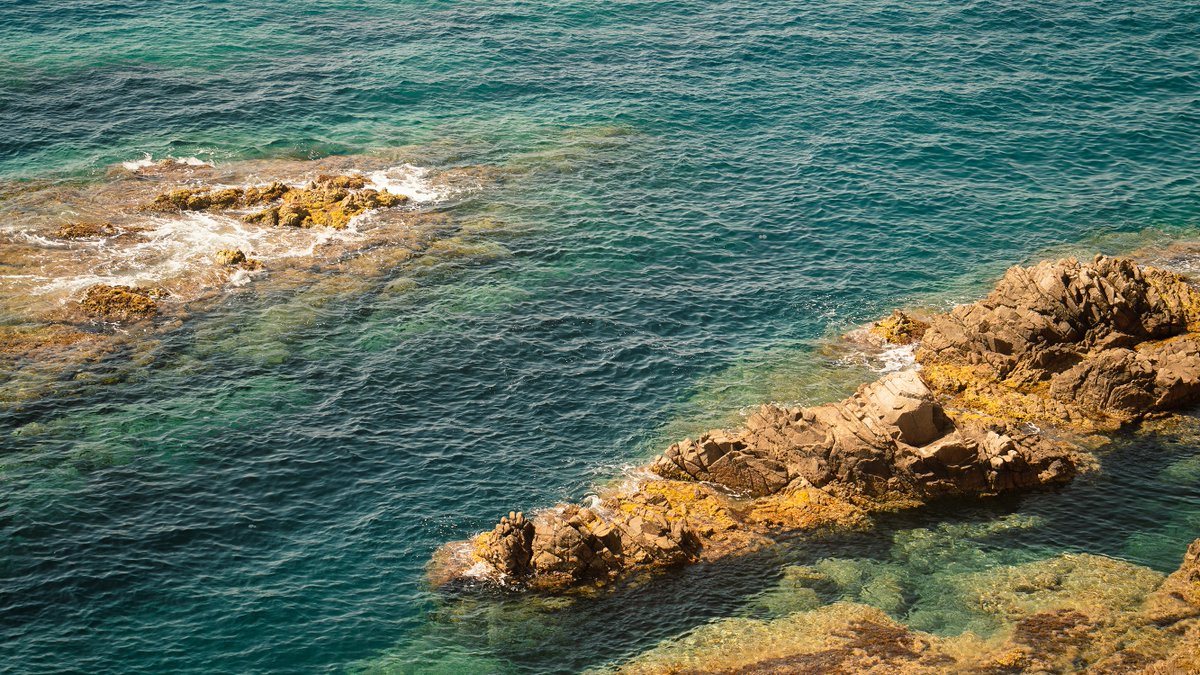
column 703, row 192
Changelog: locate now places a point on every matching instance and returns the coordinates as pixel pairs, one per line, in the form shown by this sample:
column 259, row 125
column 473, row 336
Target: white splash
column 900, row 357
column 410, row 181
column 147, row 161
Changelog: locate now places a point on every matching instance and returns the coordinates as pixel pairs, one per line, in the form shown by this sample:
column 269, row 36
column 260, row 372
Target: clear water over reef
column 695, row 196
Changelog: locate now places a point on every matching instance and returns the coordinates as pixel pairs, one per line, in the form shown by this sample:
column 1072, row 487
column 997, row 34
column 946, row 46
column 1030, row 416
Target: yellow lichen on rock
column 900, row 328
column 807, row 509
column 328, row 201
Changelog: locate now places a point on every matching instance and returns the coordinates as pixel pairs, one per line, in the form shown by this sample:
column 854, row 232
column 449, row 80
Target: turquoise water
column 702, row 192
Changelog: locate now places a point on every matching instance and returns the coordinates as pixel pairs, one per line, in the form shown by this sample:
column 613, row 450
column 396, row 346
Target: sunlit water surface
column 703, row 192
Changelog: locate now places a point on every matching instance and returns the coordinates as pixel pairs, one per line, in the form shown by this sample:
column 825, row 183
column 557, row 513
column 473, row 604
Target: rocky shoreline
column 1009, row 393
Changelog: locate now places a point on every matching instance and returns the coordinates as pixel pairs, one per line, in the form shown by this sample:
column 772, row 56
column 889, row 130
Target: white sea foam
column 410, row 181
column 184, row 245
column 900, row 357
column 147, row 160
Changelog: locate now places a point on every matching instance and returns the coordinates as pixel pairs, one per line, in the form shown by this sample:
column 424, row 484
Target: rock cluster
column 201, row 199
column 121, row 303
column 1079, row 345
column 890, row 439
column 327, row 201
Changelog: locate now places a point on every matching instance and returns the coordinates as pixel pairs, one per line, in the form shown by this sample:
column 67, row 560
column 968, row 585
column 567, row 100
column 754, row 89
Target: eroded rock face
column 1080, row 345
column 890, row 439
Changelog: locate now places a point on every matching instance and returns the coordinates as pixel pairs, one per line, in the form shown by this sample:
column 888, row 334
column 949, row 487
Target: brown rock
column 121, row 303
column 1081, row 345
column 86, row 231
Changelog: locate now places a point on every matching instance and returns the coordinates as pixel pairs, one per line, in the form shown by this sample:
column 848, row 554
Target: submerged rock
column 1082, row 346
column 1071, row 613
column 121, row 303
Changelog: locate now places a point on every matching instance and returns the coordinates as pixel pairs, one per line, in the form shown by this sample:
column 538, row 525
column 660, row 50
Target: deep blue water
column 705, row 189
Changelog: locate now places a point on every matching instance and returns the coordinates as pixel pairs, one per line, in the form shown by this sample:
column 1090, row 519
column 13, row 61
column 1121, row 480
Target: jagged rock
column 509, row 546
column 891, row 438
column 888, row 443
column 121, row 303
column 327, row 201
column 1081, row 345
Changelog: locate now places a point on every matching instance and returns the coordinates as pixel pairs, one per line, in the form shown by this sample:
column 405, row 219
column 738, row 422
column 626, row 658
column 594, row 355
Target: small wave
column 410, row 181
column 148, row 160
column 892, row 359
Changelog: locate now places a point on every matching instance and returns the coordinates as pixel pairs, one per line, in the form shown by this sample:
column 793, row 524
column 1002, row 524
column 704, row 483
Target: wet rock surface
column 121, row 303
column 1080, row 346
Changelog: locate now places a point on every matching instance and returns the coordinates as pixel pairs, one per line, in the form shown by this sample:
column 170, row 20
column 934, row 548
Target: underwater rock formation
column 1081, row 346
column 1070, row 613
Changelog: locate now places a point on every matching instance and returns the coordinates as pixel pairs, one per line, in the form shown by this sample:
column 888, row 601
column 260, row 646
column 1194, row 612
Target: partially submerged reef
column 1069, row 613
column 1007, row 395
column 95, row 271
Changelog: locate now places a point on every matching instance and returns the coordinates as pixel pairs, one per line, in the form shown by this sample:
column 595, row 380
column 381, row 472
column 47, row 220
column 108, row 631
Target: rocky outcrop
column 900, row 328
column 235, row 257
column 201, row 199
column 1082, row 346
column 327, row 201
column 1086, row 346
column 889, row 440
column 890, row 444
column 121, row 303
